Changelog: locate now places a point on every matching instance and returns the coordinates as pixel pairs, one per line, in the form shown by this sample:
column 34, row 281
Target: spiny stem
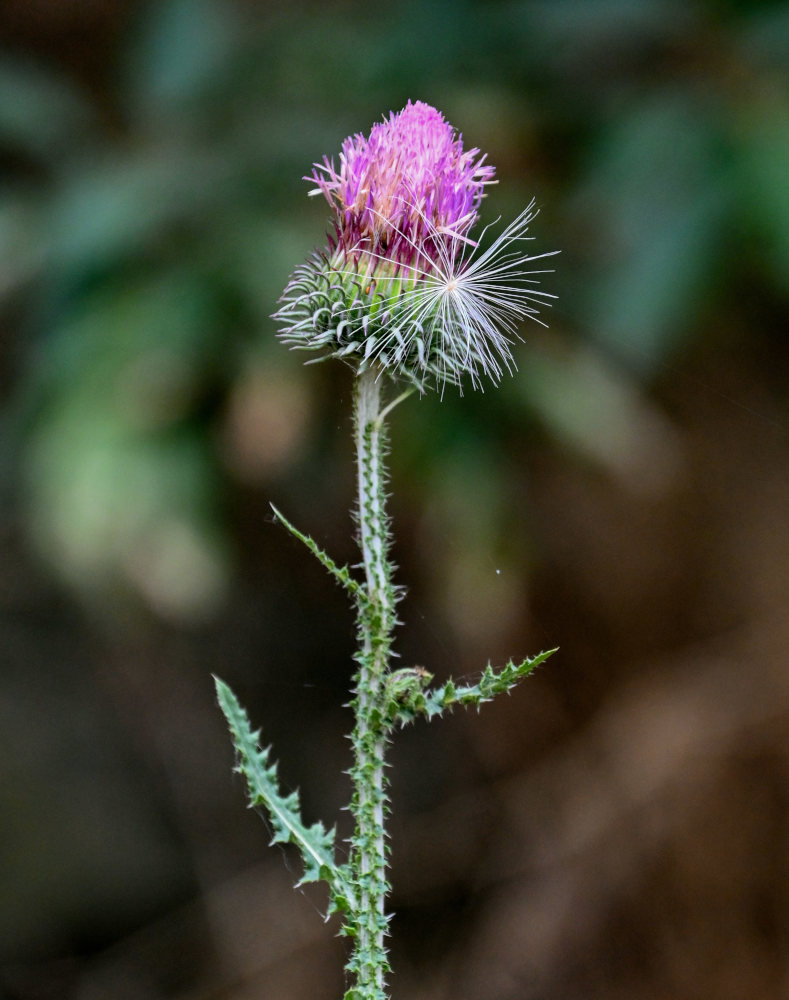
column 376, row 621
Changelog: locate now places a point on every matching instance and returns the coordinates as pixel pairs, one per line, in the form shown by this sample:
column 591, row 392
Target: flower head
column 400, row 286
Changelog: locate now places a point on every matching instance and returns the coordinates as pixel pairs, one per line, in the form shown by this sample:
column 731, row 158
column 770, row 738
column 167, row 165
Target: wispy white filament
column 463, row 309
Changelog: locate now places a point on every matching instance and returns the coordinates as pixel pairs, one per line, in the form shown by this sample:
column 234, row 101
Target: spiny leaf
column 315, row 842
column 340, row 573
column 435, row 701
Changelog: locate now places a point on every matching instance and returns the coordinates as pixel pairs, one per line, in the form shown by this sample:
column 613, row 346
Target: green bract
column 391, row 319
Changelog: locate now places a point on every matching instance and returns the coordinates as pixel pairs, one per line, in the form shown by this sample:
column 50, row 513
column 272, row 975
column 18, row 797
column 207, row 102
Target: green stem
column 376, row 620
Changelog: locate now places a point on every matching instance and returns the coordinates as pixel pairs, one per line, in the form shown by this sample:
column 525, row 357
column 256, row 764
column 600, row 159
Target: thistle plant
column 406, row 297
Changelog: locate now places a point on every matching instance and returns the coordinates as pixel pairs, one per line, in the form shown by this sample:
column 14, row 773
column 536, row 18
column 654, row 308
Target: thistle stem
column 376, row 620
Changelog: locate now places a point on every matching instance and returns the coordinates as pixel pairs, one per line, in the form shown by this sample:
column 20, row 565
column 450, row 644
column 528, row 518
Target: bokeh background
column 619, row 827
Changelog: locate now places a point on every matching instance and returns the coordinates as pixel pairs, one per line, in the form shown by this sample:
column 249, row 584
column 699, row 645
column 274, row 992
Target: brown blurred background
column 619, row 827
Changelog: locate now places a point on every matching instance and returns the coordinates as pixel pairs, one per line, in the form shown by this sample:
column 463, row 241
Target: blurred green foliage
column 148, row 225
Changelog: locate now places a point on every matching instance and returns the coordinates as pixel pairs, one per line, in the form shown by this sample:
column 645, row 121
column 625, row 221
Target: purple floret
column 408, row 193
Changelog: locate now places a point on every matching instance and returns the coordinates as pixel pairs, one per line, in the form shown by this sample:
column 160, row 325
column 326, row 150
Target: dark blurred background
column 619, row 827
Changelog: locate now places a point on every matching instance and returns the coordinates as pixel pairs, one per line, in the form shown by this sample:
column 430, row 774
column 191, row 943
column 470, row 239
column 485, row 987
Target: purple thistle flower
column 400, row 287
column 406, row 187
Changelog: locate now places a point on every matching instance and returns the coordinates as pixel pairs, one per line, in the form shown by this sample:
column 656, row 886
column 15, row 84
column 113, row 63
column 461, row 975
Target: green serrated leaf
column 315, row 843
column 340, row 573
column 435, row 701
